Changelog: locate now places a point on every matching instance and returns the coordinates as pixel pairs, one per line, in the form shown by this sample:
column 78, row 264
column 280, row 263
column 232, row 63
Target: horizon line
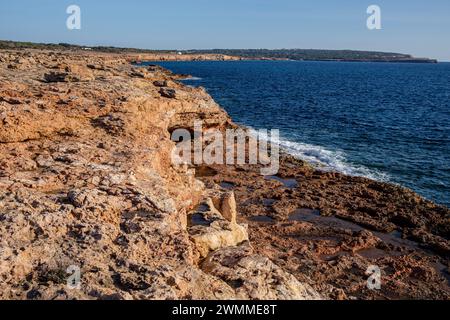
column 212, row 48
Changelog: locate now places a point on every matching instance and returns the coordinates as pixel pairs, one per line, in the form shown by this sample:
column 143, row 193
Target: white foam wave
column 327, row 160
column 192, row 79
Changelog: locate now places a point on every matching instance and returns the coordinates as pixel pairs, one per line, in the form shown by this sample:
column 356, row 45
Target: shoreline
column 381, row 235
column 226, row 54
column 395, row 228
column 87, row 180
column 330, row 165
column 333, row 240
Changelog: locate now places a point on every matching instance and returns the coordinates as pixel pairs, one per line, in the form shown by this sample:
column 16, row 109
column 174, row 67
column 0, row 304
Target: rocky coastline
column 87, row 181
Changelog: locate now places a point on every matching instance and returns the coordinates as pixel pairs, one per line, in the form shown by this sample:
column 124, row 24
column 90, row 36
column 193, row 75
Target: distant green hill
column 291, row 54
column 318, row 55
column 15, row 45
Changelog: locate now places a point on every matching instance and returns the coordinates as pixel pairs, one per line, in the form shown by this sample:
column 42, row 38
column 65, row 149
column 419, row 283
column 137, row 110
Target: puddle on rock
column 372, row 253
column 227, row 185
column 262, row 219
column 329, row 257
column 268, row 202
column 394, row 238
column 304, row 214
column 204, row 171
column 288, row 183
column 311, row 215
column 197, row 219
column 202, row 208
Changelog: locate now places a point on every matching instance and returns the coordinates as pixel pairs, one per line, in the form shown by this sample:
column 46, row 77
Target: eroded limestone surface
column 86, row 180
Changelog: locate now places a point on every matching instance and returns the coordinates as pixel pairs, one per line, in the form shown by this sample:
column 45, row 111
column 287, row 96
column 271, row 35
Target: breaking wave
column 324, row 159
column 192, row 79
column 329, row 160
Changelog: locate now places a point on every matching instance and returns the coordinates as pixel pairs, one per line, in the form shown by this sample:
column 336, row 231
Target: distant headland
column 234, row 54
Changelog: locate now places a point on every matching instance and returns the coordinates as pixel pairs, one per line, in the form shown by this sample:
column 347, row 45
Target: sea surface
column 386, row 121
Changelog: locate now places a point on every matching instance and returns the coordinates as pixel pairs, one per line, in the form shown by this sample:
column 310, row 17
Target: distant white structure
column 180, row 53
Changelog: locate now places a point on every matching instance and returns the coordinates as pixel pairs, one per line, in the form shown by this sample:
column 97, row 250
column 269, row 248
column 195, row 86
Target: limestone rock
column 219, row 234
column 168, row 93
column 255, row 277
column 228, row 207
column 160, row 83
column 56, row 77
column 216, row 232
column 86, row 180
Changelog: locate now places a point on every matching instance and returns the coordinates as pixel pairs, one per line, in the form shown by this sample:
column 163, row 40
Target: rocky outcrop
column 255, row 277
column 327, row 229
column 181, row 57
column 217, row 229
column 87, row 183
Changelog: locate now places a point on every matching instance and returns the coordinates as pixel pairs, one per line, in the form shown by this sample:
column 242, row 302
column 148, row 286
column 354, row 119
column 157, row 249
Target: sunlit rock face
column 87, row 183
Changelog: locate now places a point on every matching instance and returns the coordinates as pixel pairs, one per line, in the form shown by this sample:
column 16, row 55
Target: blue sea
column 386, row 121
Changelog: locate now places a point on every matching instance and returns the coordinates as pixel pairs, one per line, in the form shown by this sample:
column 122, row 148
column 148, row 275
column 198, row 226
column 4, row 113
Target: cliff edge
column 87, row 189
column 92, row 207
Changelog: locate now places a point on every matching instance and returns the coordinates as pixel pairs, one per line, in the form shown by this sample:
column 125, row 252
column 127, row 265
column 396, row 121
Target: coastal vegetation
column 276, row 54
column 317, row 55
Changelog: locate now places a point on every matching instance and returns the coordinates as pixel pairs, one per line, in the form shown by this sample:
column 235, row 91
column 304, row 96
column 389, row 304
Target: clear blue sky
column 419, row 27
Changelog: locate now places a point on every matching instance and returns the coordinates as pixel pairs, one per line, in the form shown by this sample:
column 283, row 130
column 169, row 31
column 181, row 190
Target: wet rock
column 331, row 227
column 168, row 93
column 160, row 83
column 56, row 77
